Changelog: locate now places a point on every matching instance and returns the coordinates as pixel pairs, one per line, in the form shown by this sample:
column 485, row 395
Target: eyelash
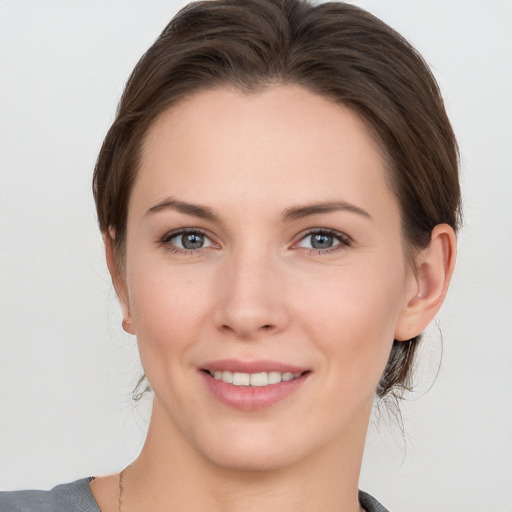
column 166, row 239
column 343, row 239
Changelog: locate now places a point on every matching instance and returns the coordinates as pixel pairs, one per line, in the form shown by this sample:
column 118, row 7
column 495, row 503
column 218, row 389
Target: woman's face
column 263, row 244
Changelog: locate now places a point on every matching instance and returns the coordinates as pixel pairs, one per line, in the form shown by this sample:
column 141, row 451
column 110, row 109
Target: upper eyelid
column 334, row 232
column 165, row 240
column 180, row 231
column 311, row 231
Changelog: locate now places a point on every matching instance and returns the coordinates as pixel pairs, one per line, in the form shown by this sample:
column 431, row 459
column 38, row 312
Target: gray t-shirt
column 77, row 497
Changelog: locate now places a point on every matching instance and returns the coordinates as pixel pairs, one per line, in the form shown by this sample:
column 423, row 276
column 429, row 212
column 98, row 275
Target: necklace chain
column 121, row 489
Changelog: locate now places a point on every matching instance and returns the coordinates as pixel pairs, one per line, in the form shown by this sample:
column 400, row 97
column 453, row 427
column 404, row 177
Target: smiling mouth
column 259, row 379
column 253, row 385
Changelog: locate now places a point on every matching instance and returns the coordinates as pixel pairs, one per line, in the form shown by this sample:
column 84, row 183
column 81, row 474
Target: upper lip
column 255, row 366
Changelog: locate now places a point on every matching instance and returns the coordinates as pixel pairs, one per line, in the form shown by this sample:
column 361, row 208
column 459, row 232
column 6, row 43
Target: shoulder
column 73, row 496
column 370, row 504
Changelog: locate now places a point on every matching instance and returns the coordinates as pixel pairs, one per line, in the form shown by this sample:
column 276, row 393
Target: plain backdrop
column 66, row 367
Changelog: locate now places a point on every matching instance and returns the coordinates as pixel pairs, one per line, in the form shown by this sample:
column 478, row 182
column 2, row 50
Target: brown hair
column 334, row 49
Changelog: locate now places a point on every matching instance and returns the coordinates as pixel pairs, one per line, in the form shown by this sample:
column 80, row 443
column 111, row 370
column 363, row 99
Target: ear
column 430, row 280
column 118, row 281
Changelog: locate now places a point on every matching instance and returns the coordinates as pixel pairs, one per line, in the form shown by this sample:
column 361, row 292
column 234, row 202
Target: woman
column 278, row 197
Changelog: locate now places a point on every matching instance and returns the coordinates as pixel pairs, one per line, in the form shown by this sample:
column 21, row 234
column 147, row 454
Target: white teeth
column 241, row 379
column 227, row 377
column 254, row 379
column 274, row 377
column 259, row 379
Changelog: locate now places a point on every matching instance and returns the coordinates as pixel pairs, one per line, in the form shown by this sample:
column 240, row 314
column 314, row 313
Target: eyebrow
column 203, row 212
column 289, row 214
column 299, row 212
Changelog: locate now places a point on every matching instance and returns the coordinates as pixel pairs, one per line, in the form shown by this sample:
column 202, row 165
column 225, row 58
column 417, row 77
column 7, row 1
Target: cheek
column 352, row 317
column 168, row 305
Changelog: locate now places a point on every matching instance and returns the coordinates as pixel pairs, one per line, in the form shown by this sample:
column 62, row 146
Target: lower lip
column 252, row 398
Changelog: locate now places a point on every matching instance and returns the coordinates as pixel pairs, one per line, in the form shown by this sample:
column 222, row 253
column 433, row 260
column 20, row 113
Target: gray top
column 77, row 497
column 73, row 497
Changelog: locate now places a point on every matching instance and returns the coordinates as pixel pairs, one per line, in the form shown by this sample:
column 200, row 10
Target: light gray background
column 66, row 367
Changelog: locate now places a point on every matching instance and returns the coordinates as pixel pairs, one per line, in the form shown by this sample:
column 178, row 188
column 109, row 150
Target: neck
column 169, row 471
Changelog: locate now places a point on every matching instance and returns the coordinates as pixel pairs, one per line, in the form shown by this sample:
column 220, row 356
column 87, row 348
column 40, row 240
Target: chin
column 253, row 459
column 256, row 447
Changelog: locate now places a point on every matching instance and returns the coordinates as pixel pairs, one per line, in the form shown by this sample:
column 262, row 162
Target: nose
column 251, row 300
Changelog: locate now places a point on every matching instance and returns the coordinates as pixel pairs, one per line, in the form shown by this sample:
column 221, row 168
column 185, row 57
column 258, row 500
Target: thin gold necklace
column 121, row 488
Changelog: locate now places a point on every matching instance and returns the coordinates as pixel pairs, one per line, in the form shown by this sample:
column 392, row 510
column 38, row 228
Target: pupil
column 192, row 241
column 321, row 241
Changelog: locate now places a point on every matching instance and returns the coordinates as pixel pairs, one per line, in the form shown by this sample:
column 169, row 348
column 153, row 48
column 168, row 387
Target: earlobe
column 118, row 281
column 434, row 269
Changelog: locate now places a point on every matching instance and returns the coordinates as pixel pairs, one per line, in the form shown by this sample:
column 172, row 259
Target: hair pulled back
column 334, row 49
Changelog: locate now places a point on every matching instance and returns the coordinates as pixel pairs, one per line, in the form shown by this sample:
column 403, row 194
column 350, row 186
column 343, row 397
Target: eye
column 187, row 240
column 324, row 240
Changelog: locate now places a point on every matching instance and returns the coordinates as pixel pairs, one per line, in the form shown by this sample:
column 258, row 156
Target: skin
column 259, row 290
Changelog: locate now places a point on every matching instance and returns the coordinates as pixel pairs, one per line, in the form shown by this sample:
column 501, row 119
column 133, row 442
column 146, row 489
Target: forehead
column 267, row 148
